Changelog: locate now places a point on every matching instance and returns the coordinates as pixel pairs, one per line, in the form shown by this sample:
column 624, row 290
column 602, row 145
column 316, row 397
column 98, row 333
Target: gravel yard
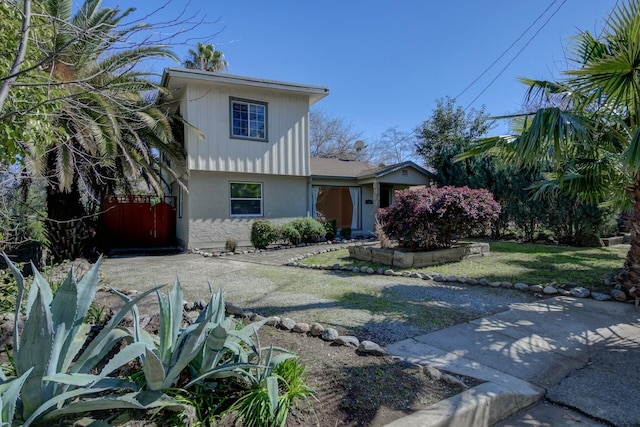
column 379, row 308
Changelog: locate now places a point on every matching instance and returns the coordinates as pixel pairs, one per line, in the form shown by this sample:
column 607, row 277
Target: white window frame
column 249, row 104
column 231, row 199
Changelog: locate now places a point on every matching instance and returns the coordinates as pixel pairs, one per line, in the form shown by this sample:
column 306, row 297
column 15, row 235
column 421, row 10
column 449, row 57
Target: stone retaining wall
column 401, row 259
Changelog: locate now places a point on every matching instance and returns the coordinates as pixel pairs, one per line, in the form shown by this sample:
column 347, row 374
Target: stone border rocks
column 563, row 289
column 364, row 348
column 339, row 244
column 404, row 259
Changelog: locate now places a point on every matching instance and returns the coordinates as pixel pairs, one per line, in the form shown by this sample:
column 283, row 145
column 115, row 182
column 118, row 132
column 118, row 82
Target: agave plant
column 202, row 349
column 56, row 372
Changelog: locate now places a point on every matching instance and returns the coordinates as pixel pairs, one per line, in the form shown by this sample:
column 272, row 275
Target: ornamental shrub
column 431, row 218
column 290, row 235
column 264, row 233
column 310, row 229
column 330, row 228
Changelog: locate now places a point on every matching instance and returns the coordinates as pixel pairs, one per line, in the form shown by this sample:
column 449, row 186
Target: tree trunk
column 631, row 272
column 65, row 225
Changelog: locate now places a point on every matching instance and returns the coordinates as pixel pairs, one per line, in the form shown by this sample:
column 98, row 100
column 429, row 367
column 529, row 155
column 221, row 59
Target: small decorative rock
column 618, row 295
column 388, row 272
column 347, row 340
column 256, row 318
column 273, row 321
column 336, row 267
column 301, row 328
column 370, row 270
column 521, row 286
column 316, row 329
column 536, row 288
column 438, row 278
column 329, row 334
column 451, row 279
column 369, row 347
column 580, row 292
column 483, row 282
column 564, row 292
column 600, row 297
column 495, row 284
column 287, row 323
column 472, row 282
column 462, row 280
column 550, row 290
column 356, row 270
column 506, row 285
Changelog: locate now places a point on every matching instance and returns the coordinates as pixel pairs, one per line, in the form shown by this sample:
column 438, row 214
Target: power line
column 506, row 50
column 516, row 56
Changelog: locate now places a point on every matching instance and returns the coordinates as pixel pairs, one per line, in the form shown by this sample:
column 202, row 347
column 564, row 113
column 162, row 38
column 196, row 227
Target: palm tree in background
column 206, row 58
column 111, row 130
column 589, row 127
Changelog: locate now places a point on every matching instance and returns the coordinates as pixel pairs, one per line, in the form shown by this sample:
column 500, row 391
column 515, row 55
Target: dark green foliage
column 290, row 234
column 263, row 233
column 345, row 232
column 331, row 228
column 450, row 132
column 310, row 229
column 448, row 127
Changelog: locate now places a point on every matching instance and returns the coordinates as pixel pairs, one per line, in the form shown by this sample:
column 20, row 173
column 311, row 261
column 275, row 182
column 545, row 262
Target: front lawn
column 518, row 262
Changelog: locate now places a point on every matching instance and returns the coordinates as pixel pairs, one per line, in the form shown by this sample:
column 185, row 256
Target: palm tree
column 111, row 131
column 589, row 126
column 206, row 58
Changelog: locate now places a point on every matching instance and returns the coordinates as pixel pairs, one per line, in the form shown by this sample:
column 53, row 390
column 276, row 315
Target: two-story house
column 248, row 158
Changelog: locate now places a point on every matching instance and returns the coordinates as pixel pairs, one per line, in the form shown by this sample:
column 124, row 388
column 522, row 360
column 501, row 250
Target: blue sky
column 387, row 61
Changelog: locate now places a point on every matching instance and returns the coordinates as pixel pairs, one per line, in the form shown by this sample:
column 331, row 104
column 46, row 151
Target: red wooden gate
column 139, row 221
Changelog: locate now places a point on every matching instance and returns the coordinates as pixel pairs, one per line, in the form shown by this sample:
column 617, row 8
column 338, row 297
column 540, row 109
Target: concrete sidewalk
column 578, row 353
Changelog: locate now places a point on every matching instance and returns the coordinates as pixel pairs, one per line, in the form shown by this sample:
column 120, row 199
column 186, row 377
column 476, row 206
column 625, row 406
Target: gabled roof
column 179, row 75
column 353, row 169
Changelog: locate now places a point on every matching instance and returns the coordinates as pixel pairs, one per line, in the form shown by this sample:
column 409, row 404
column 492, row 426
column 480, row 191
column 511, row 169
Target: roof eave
column 315, row 93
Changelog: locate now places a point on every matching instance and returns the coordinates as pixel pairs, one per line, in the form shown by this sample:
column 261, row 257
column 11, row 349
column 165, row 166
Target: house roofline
column 315, row 93
column 396, row 167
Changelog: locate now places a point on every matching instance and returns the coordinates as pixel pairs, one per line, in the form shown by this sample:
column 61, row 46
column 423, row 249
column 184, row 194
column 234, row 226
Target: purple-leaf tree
column 430, row 218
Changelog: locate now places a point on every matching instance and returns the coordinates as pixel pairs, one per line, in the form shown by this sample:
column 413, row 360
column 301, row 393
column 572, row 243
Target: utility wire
column 517, row 54
column 506, row 50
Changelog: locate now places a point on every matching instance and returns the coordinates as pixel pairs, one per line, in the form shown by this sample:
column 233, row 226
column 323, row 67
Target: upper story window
column 248, row 119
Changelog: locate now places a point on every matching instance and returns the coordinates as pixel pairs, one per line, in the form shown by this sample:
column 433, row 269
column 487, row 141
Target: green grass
column 517, row 262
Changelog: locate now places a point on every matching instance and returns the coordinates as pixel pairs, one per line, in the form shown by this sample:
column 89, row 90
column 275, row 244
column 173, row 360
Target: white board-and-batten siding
column 286, row 152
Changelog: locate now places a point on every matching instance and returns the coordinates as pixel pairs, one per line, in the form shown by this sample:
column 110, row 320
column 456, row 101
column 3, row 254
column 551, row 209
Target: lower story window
column 339, row 203
column 246, row 198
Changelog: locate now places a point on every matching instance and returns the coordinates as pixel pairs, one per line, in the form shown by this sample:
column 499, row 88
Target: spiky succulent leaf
column 108, row 336
column 187, row 352
column 143, row 400
column 35, row 348
column 154, row 373
column 9, row 396
column 272, row 391
column 20, row 284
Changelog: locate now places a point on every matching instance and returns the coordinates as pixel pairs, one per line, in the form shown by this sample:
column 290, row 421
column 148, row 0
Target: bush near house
column 299, row 230
column 264, row 233
column 310, row 229
column 290, row 234
column 330, row 228
column 431, row 218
